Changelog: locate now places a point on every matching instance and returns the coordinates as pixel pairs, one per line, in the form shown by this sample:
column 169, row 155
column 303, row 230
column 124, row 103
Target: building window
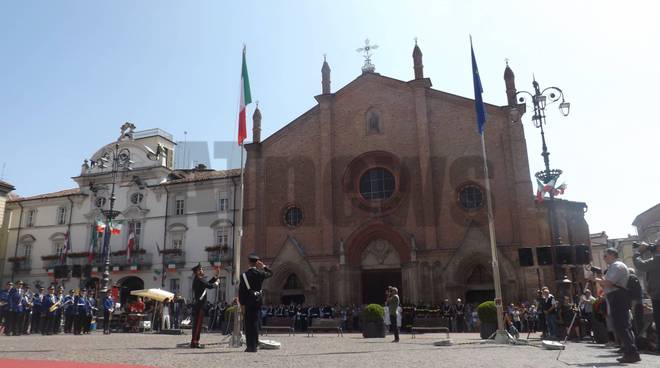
column 61, row 215
column 293, row 216
column 30, row 218
column 223, row 204
column 179, row 206
column 58, row 246
column 27, row 250
column 373, row 123
column 377, row 184
column 137, row 198
column 100, row 202
column 135, row 227
column 178, row 239
column 471, row 197
column 222, row 236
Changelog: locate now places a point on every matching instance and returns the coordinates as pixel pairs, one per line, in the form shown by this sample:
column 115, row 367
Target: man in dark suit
column 199, row 301
column 249, row 295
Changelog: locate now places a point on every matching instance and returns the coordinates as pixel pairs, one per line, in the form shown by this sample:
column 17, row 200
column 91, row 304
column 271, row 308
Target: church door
column 381, row 267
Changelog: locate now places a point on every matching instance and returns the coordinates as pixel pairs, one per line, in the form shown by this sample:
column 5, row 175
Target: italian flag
column 246, row 99
column 129, row 246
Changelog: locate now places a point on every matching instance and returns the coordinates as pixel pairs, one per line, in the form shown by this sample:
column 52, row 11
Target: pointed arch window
column 373, row 122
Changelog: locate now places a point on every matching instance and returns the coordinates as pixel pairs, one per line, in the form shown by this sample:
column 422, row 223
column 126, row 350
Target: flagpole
column 236, row 333
column 493, row 244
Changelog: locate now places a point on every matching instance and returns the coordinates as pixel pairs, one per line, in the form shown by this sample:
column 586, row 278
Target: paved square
column 320, row 351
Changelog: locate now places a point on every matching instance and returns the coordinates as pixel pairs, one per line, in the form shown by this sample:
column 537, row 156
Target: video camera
column 650, row 246
column 593, row 269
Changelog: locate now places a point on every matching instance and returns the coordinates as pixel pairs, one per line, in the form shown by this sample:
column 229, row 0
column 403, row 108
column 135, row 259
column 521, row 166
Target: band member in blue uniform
column 37, row 316
column 250, row 297
column 108, row 308
column 16, row 309
column 200, row 285
column 70, row 311
column 57, row 327
column 47, row 302
column 4, row 307
column 83, row 310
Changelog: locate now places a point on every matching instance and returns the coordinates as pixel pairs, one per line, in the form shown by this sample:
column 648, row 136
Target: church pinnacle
column 510, row 82
column 417, row 61
column 325, row 77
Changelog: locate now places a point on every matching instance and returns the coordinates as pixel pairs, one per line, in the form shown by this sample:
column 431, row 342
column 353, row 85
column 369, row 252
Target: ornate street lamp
column 540, row 99
column 116, row 159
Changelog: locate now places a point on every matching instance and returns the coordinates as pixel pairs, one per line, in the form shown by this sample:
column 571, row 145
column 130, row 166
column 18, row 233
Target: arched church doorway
column 126, row 285
column 381, row 267
column 293, row 291
column 479, row 285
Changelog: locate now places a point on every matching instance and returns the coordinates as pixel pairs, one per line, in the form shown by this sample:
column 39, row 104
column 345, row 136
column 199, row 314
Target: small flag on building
column 130, row 245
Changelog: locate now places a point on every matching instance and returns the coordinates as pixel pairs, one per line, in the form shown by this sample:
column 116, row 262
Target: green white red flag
column 246, row 99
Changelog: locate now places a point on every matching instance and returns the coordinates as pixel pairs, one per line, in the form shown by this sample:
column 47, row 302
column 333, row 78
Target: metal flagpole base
column 235, row 341
column 502, row 337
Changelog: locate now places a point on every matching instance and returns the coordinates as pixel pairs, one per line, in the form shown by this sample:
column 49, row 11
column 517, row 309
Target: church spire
column 510, row 82
column 256, row 125
column 417, row 61
column 325, row 77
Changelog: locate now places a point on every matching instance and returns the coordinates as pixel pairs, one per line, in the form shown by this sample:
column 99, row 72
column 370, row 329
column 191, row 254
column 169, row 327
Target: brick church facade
column 381, row 183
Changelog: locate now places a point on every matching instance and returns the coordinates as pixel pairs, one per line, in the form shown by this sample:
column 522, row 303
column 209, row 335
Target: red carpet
column 15, row 363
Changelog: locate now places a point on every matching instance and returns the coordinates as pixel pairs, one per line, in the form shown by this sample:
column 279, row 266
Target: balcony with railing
column 139, row 258
column 173, row 256
column 219, row 253
column 21, row 264
column 51, row 260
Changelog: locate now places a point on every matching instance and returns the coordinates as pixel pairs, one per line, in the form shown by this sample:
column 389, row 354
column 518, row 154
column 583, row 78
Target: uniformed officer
column 108, row 308
column 82, row 310
column 49, row 301
column 57, row 327
column 70, row 311
column 37, row 316
column 16, row 309
column 4, row 307
column 199, row 301
column 250, row 297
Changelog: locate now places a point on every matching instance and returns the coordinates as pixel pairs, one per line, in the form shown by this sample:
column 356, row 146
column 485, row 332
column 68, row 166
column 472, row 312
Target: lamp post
column 116, row 159
column 540, row 99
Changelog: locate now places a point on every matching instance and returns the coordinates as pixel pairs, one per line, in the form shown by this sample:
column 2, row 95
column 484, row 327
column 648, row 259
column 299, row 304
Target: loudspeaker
column 564, row 254
column 582, row 254
column 87, row 271
column 544, row 256
column 525, row 257
column 76, row 271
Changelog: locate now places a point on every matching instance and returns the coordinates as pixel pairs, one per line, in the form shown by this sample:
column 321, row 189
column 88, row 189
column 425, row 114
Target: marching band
column 23, row 311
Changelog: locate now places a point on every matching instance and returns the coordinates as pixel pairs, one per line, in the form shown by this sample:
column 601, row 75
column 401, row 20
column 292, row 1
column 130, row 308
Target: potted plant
column 16, row 259
column 50, row 257
column 372, row 321
column 488, row 319
column 228, row 318
column 214, row 248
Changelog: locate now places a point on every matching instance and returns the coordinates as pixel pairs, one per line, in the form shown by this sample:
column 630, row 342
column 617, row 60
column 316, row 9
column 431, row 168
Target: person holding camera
column 614, row 282
column 200, row 285
column 651, row 269
column 250, row 297
column 392, row 303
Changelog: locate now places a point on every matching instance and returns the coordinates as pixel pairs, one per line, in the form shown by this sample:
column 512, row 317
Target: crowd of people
column 617, row 308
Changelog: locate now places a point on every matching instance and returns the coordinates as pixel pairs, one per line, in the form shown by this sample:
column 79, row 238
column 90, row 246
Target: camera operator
column 614, row 283
column 651, row 269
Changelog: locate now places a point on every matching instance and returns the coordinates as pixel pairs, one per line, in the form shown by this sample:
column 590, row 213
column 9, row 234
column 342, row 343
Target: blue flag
column 478, row 90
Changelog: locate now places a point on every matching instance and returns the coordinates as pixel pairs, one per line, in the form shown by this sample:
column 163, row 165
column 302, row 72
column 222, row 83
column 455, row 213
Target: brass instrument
column 59, row 304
